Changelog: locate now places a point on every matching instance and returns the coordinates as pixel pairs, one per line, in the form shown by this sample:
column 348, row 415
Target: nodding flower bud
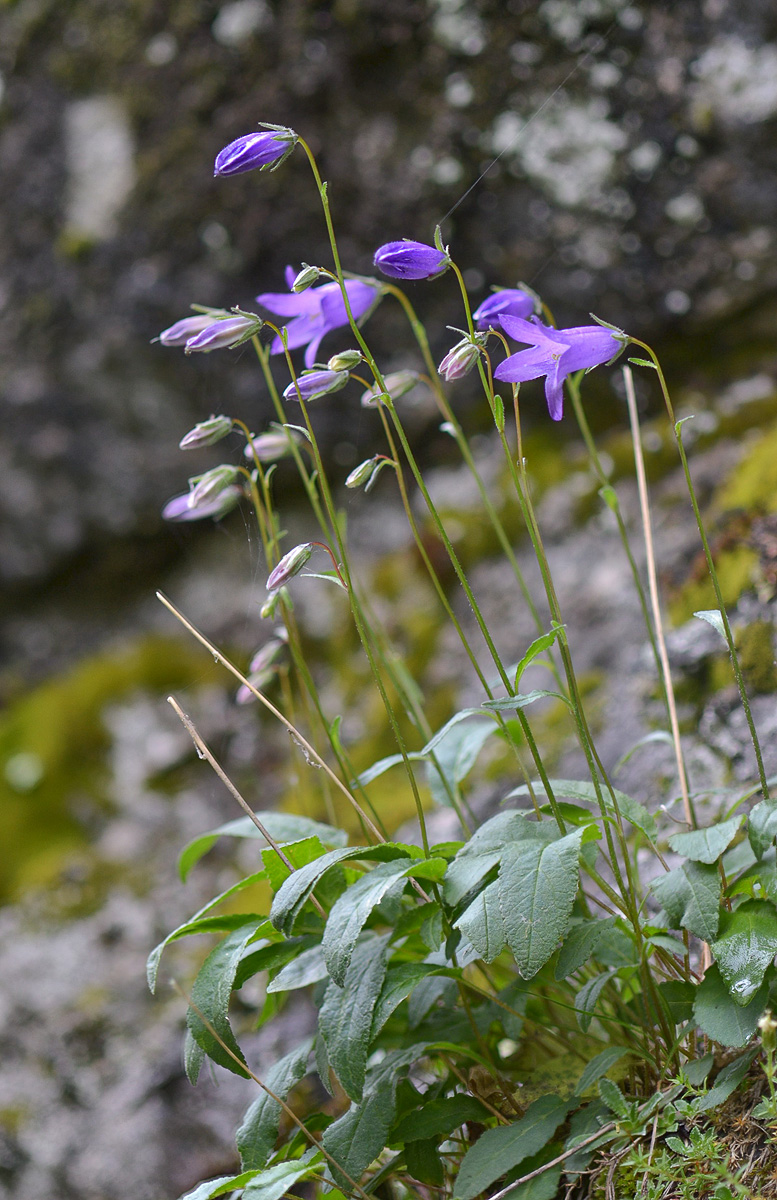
column 257, row 679
column 345, row 361
column 266, row 655
column 206, row 433
column 397, row 384
column 362, row 473
column 256, row 150
column 311, row 384
column 768, row 1028
column 305, row 278
column 460, row 359
column 179, row 508
column 271, row 603
column 514, row 302
column 269, row 447
column 204, row 488
column 180, row 333
column 411, row 260
column 289, row 566
column 224, row 334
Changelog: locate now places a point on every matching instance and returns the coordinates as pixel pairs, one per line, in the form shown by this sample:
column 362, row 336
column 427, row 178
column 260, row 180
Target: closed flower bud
column 514, row 302
column 289, row 566
column 397, row 384
column 224, row 334
column 206, row 433
column 268, row 609
column 305, row 278
column 204, row 488
column 180, row 333
column 267, row 654
column 269, row 447
column 256, row 150
column 315, row 383
column 179, row 509
column 346, row 361
column 261, row 680
column 360, row 475
column 460, row 359
column 411, row 260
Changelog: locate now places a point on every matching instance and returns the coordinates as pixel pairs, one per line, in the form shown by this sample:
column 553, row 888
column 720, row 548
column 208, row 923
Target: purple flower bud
column 269, row 447
column 206, row 433
column 397, row 384
column 179, row 509
column 260, row 679
column 224, row 334
column 316, row 383
column 204, row 488
column 411, row 260
column 180, row 333
column 513, row 301
column 266, row 655
column 305, row 278
column 290, row 565
column 460, row 359
column 346, row 361
column 255, row 150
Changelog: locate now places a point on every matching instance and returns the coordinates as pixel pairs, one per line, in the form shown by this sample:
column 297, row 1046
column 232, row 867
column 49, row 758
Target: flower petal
column 529, row 364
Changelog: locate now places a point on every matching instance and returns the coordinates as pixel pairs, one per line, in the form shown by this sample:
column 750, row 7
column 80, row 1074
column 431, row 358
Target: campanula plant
column 515, row 1011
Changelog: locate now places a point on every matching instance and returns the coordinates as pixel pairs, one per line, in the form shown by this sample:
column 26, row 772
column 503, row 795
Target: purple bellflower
column 513, row 302
column 311, row 384
column 411, row 260
column 462, row 357
column 291, row 564
column 179, row 509
column 180, row 333
column 262, row 150
column 206, row 433
column 224, row 334
column 317, row 311
column 556, row 353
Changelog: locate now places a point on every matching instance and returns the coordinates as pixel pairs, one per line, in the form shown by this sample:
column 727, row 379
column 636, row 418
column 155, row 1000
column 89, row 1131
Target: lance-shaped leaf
column 599, row 1066
column 538, row 646
column 497, row 1151
column 399, row 983
column 691, row 896
column 345, row 1020
column 308, row 967
column 455, row 756
column 579, row 945
column 762, row 827
column 718, row 1015
column 707, row 845
column 282, row 827
column 258, row 1132
column 586, row 999
column 572, row 789
column 276, row 1181
column 438, row 1118
column 746, row 946
column 219, row 1186
column 210, row 997
column 483, row 924
column 537, row 887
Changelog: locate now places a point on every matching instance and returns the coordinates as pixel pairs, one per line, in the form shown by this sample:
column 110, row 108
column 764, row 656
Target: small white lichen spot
column 101, row 168
column 238, row 21
column 735, row 83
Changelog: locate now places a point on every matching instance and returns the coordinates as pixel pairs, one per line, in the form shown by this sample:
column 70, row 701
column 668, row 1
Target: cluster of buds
column 213, row 329
column 462, row 357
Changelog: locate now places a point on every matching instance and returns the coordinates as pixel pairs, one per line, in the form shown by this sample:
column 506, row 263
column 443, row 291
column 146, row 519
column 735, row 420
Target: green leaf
column 438, row 1118
column 210, row 997
column 308, row 967
column 299, row 854
column 573, row 789
column 282, row 827
column 579, row 945
column 746, row 946
column 258, row 1131
column 544, row 1186
column 351, row 911
column 514, row 703
column 345, row 1020
column 193, row 1058
column 706, row 845
column 497, row 1151
column 219, row 1186
column 276, row 1181
column 537, row 887
column 455, row 756
column 643, row 362
column 712, row 617
column 719, row 1016
column 538, row 646
column 599, row 1066
column 614, row 1099
column 482, row 923
column 762, row 826
column 691, row 896
column 423, row 1162
column 726, row 1082
column 586, row 998
column 399, row 983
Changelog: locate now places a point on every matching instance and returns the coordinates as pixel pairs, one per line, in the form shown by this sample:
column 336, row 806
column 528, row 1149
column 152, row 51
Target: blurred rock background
column 619, row 157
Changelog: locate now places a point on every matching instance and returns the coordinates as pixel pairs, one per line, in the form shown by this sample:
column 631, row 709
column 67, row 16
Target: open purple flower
column 410, row 260
column 317, row 311
column 255, row 150
column 556, row 353
column 513, row 302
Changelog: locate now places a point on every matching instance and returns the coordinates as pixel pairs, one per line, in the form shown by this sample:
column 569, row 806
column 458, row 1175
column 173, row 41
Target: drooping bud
column 204, row 488
column 270, row 446
column 207, row 433
column 768, row 1028
column 305, row 278
column 461, row 358
column 311, row 384
column 515, row 302
column 266, row 655
column 179, row 508
column 256, row 150
column 187, row 328
column 224, row 334
column 411, row 260
column 397, row 384
column 270, row 605
column 260, row 680
column 361, row 474
column 345, row 361
column 289, row 566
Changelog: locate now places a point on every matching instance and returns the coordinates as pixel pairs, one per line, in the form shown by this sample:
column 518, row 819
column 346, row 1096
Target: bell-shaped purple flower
column 556, row 353
column 255, row 150
column 179, row 508
column 317, row 311
column 411, row 260
column 512, row 302
column 311, row 384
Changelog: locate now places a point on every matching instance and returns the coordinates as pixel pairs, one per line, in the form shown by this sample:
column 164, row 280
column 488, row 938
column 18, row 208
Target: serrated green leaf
column 706, row 845
column 482, row 852
column 719, row 1016
column 746, row 946
column 423, row 1162
column 586, row 998
column 762, row 826
column 483, row 924
column 614, row 1099
column 399, row 983
column 497, row 1151
column 691, row 896
column 282, row 827
column 599, row 1066
column 579, row 945
column 438, row 1118
column 219, row 1186
column 308, row 967
column 351, row 911
column 573, row 789
column 345, row 1019
column 210, row 997
column 537, row 887
column 299, row 854
column 538, row 646
column 274, row 1182
column 258, row 1130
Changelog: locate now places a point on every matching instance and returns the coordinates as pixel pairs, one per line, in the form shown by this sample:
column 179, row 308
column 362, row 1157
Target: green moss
column 735, row 568
column 756, row 656
column 752, row 485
